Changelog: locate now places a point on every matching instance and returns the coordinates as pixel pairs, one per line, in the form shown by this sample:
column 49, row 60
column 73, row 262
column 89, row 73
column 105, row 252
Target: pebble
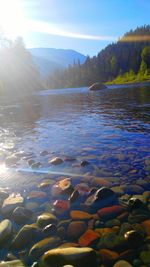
column 80, row 215
column 45, row 219
column 56, row 161
column 5, row 230
column 76, row 229
column 10, row 203
column 88, row 238
column 122, row 263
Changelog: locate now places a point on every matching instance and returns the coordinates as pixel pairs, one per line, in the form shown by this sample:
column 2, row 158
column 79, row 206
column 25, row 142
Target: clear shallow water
column 110, row 129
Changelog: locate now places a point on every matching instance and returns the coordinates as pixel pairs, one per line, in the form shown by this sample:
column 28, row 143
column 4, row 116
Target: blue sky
column 83, row 25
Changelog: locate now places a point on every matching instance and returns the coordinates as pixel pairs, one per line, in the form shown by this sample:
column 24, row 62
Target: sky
column 86, row 26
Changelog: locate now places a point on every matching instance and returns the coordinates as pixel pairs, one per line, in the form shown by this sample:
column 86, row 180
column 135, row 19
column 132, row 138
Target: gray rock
column 56, row 161
column 85, row 257
column 5, row 230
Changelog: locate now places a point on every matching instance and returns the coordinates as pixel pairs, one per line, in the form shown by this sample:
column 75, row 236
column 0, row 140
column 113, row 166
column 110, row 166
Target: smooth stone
column 122, row 263
column 101, row 182
column 50, row 229
column 74, row 196
column 110, row 212
column 145, row 257
column 111, row 241
column 21, row 215
column 137, row 218
column 36, row 165
column 97, row 86
column 10, row 203
column 76, row 229
column 56, row 161
column 3, row 194
column 44, row 245
column 80, row 215
column 33, row 206
column 85, row 257
column 60, row 206
column 82, row 188
column 146, row 226
column 25, row 236
column 61, row 232
column 113, row 222
column 84, row 163
column 133, row 189
column 14, row 263
column 11, row 160
column 117, row 190
column 125, row 227
column 134, row 238
column 88, row 238
column 44, row 153
column 36, row 195
column 45, row 219
column 108, row 256
column 5, row 230
column 45, row 184
column 68, row 245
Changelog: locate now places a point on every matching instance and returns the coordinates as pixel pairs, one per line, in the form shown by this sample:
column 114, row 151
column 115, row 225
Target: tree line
column 130, row 54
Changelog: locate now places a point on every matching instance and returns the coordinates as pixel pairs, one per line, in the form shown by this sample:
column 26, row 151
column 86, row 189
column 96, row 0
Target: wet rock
column 145, row 257
column 103, row 231
column 62, row 187
column 85, row 257
column 112, row 241
column 113, row 222
column 68, row 245
column 25, row 236
column 110, row 212
column 135, row 203
column 45, row 184
column 83, row 189
column 10, row 203
column 84, row 163
column 31, row 162
column 3, row 194
column 44, row 153
column 21, row 215
column 11, row 160
column 14, row 263
column 133, row 189
column 50, row 229
column 76, row 229
column 36, row 165
column 74, row 196
column 134, row 238
column 33, row 206
column 56, row 161
column 88, row 238
column 60, row 206
column 122, row 263
column 36, row 195
column 101, row 182
column 97, row 86
column 80, row 215
column 108, row 256
column 138, row 218
column 5, row 230
column 61, row 232
column 39, row 248
column 146, row 226
column 125, row 227
column 128, row 255
column 45, row 219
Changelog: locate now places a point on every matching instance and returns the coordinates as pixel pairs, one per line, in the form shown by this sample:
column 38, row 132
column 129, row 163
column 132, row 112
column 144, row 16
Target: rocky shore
column 81, row 222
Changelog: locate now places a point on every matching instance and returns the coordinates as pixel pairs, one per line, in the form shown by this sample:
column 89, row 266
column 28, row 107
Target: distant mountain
column 49, row 59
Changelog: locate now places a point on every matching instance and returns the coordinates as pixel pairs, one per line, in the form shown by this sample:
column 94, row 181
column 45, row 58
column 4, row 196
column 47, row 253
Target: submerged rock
column 45, row 219
column 42, row 246
column 88, row 238
column 5, row 230
column 21, row 215
column 97, row 86
column 76, row 229
column 56, row 161
column 85, row 257
column 14, row 263
column 10, row 203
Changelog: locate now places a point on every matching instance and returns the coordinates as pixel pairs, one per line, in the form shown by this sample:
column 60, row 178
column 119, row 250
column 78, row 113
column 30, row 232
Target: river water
column 110, row 129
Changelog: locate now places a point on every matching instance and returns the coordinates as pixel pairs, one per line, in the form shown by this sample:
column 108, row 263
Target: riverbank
column 128, row 84
column 78, row 221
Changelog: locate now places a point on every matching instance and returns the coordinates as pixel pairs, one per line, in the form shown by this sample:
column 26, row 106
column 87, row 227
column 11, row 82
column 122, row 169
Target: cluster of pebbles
column 82, row 222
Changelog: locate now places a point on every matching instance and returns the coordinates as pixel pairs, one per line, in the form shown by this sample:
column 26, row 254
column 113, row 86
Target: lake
column 109, row 129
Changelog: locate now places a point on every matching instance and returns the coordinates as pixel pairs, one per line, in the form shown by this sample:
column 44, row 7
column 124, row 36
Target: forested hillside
column 18, row 74
column 131, row 53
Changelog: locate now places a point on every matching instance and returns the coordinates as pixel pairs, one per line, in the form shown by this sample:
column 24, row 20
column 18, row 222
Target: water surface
column 109, row 128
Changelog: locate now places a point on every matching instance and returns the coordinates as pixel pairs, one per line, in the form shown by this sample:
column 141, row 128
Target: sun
column 11, row 18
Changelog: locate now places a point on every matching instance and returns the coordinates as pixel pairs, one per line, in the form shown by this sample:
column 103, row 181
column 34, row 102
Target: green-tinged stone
column 145, row 257
column 45, row 219
column 85, row 257
column 5, row 230
column 14, row 263
column 39, row 248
